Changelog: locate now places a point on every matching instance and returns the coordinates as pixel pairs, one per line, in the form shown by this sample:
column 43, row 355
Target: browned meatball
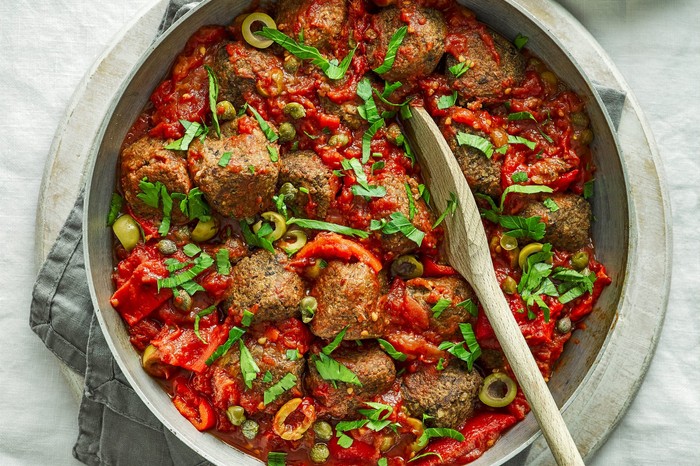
column 422, row 47
column 568, row 228
column 146, row 158
column 347, row 296
column 261, row 284
column 448, row 395
column 306, row 169
column 482, row 174
column 240, row 67
column 322, row 21
column 396, row 200
column 428, row 291
column 488, row 76
column 373, row 368
column 244, row 187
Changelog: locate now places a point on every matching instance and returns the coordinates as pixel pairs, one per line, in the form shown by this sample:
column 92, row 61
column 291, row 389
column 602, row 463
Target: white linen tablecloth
column 48, row 45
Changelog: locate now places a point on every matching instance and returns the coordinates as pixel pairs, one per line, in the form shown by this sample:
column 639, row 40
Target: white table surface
column 48, row 45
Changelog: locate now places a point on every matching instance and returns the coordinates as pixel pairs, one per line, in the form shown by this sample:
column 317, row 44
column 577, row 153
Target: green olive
column 251, row 37
column 549, row 77
column 406, row 267
column 250, row 429
column 166, row 247
column 338, row 140
column 526, row 252
column 586, row 137
column 292, row 241
column 579, row 261
column 509, row 285
column 508, row 242
column 152, row 363
column 288, row 191
column 204, row 231
column 294, row 110
column 323, row 430
column 236, row 415
column 277, row 220
column 314, row 270
column 579, row 119
column 564, row 325
column 225, row 110
column 319, row 453
column 308, row 306
column 287, row 132
column 498, row 390
column 127, row 231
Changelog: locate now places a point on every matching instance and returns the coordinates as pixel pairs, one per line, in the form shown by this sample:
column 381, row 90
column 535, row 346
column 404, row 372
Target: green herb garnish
column 450, row 209
column 192, row 130
column 115, row 206
column 233, row 336
column 225, row 159
column 391, row 351
column 476, row 142
column 440, row 306
column 460, row 68
column 550, row 204
column 330, row 369
column 213, row 97
column 467, row 350
column 399, row 223
column 519, row 177
column 249, row 370
column 334, row 227
column 393, row 47
column 447, row 101
column 274, row 392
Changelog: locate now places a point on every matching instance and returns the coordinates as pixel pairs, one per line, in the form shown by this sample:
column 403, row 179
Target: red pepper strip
column 196, row 409
column 139, row 295
column 334, row 246
column 433, row 269
column 479, row 433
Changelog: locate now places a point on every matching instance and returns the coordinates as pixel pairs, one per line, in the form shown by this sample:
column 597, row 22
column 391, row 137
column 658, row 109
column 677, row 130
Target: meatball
column 268, row 357
column 489, row 76
column 373, row 368
column 422, row 47
column 568, row 228
column 245, row 185
column 396, row 200
column 482, row 173
column 449, row 396
column 347, row 296
column 322, row 21
column 261, row 284
column 306, row 169
column 146, row 158
column 427, row 292
column 239, row 67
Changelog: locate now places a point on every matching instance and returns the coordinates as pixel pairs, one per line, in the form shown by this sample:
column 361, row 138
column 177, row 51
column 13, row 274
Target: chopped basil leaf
column 517, row 188
column 424, row 193
column 115, row 206
column 249, row 370
column 173, row 265
column 150, row 192
column 264, row 126
column 191, row 250
column 449, row 210
column 382, row 462
column 574, row 284
column 191, row 287
column 198, row 316
column 477, row 142
column 293, row 354
column 223, row 265
column 399, row 223
column 520, row 227
column 247, row 318
column 330, row 369
column 233, row 336
column 588, row 189
column 520, row 41
column 225, row 158
column 267, row 378
column 520, row 140
column 440, row 306
column 519, row 177
column 369, row 191
column 192, row 130
column 468, row 354
column 195, row 207
column 521, row 116
column 377, row 166
column 439, row 432
column 535, row 280
column 367, row 139
column 344, row 441
column 213, row 97
column 447, row 101
column 275, row 458
column 331, row 68
column 391, row 351
column 393, row 47
column 470, row 306
column 356, row 167
column 390, row 88
column 334, row 227
column 274, row 155
column 201, row 263
column 330, row 347
column 423, row 455
column 274, row 392
column 411, row 202
column 440, row 366
column 254, row 239
column 460, row 68
column 167, row 210
column 303, row 189
column 550, row 204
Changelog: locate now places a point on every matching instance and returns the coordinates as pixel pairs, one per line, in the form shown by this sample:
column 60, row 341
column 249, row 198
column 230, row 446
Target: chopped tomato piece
column 139, row 295
column 181, row 347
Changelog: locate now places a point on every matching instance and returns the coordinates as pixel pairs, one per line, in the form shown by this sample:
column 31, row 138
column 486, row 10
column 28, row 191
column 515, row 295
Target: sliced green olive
column 509, row 285
column 319, row 453
column 277, row 220
column 288, row 191
column 292, row 241
column 204, row 231
column 236, row 415
column 407, row 267
column 225, row 110
column 250, row 429
column 251, row 37
column 508, row 242
column 127, row 231
column 323, row 430
column 564, row 325
column 579, row 261
column 287, row 132
column 294, row 110
column 527, row 251
column 308, row 306
column 498, row 390
column 152, row 364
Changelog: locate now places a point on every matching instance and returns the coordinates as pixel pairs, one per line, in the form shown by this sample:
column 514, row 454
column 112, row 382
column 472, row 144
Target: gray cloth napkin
column 115, row 427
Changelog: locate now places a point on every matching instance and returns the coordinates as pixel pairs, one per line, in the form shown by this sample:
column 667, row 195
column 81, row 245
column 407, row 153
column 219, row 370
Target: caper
column 204, row 231
column 406, row 267
column 294, row 110
column 225, row 110
column 509, row 285
column 182, row 300
column 338, row 140
column 579, row 261
column 166, row 247
column 291, row 63
column 564, row 325
column 579, row 119
column 586, row 137
column 549, row 77
column 288, row 191
column 393, row 132
column 236, row 415
column 127, row 231
column 250, row 429
column 323, row 430
column 287, row 132
column 319, row 453
column 308, row 306
column 181, row 234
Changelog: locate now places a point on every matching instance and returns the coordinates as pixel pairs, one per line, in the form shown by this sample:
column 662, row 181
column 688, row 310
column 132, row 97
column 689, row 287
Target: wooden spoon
column 468, row 252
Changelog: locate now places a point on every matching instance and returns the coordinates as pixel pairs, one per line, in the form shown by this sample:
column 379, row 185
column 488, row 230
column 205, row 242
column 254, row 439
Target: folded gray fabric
column 115, row 427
